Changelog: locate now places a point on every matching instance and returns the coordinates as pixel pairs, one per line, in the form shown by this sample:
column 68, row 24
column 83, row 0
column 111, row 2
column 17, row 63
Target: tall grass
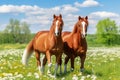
column 101, row 64
column 12, row 46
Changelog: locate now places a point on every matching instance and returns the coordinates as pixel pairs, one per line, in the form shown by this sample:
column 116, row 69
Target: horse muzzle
column 84, row 35
column 57, row 34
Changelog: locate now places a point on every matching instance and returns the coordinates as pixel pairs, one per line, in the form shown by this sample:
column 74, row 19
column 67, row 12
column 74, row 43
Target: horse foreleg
column 65, row 64
column 82, row 57
column 37, row 54
column 44, row 61
column 48, row 56
column 58, row 63
column 72, row 62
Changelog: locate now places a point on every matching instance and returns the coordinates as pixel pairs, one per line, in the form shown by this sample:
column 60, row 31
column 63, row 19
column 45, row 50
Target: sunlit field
column 102, row 63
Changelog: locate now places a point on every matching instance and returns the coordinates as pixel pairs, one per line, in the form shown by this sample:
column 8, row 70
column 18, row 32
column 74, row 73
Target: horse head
column 58, row 24
column 83, row 25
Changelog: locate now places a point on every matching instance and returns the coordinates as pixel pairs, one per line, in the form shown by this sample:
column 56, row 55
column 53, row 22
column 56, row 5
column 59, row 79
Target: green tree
column 25, row 32
column 17, row 32
column 13, row 28
column 106, row 31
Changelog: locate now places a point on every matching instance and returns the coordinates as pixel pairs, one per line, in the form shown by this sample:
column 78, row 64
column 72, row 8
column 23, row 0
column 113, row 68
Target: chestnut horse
column 46, row 42
column 75, row 43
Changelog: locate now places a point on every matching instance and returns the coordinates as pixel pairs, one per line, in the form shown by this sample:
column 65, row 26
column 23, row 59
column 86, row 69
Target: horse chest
column 76, row 42
column 57, row 49
column 55, row 44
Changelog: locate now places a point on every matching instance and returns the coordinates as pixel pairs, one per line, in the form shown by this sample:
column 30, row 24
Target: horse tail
column 27, row 52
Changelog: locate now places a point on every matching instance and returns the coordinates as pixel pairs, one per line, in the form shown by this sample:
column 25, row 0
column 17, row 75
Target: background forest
column 107, row 34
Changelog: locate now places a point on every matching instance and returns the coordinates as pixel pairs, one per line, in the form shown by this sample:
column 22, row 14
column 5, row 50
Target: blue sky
column 39, row 13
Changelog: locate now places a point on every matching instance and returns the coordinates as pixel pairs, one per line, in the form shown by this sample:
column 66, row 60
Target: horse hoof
column 65, row 72
column 81, row 70
column 72, row 69
column 60, row 74
column 52, row 76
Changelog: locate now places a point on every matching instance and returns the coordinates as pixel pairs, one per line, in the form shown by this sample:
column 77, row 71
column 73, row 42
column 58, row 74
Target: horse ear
column 54, row 16
column 60, row 15
column 86, row 17
column 79, row 17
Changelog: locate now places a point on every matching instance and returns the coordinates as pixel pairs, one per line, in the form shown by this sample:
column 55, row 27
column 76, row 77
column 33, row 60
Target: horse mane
column 74, row 29
column 51, row 28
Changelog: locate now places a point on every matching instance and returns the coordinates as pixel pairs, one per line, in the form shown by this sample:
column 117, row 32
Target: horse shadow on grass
column 84, row 73
column 90, row 72
column 59, row 76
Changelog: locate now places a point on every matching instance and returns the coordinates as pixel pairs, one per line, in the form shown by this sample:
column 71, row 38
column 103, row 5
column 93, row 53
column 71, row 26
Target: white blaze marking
column 56, row 28
column 83, row 25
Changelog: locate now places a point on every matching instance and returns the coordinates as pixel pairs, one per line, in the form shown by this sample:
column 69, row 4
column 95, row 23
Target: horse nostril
column 58, row 33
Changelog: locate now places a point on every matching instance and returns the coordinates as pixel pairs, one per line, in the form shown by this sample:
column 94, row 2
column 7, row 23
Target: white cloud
column 103, row 14
column 66, row 9
column 87, row 3
column 42, row 17
column 94, row 17
column 70, row 20
column 17, row 9
column 36, row 9
column 43, row 20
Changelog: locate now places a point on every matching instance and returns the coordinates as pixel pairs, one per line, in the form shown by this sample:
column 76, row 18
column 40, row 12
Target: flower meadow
column 102, row 63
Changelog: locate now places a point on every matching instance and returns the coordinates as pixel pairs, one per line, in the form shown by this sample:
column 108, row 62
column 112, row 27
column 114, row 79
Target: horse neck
column 75, row 30
column 52, row 34
column 56, row 40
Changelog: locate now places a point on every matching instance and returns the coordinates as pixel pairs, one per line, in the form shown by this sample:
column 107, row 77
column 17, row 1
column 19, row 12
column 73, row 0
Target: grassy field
column 102, row 63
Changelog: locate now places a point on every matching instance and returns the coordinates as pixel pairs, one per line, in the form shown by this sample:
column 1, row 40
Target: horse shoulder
column 40, row 41
column 68, row 40
column 75, row 41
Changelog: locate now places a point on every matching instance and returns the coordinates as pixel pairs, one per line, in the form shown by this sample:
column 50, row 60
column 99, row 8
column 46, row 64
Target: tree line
column 15, row 32
column 108, row 33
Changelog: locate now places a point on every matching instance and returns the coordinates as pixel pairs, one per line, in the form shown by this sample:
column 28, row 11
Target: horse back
column 65, row 33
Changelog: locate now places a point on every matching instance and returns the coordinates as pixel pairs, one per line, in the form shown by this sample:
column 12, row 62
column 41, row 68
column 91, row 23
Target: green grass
column 104, row 69
column 12, row 46
column 101, row 64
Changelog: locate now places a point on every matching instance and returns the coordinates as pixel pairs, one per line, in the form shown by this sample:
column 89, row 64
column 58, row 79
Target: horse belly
column 56, row 51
